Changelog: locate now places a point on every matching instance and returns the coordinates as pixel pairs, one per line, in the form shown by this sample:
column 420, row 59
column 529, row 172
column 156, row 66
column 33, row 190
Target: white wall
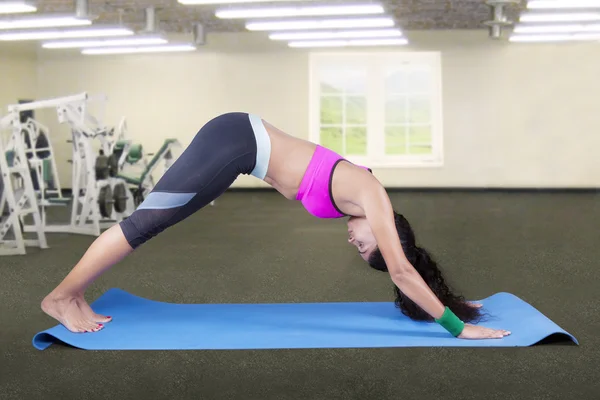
column 17, row 76
column 515, row 115
column 519, row 115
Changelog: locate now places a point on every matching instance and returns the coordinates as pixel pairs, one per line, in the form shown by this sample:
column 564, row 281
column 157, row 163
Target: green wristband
column 451, row 322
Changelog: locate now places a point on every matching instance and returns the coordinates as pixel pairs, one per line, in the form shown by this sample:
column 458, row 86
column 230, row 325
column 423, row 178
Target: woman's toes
column 88, row 326
column 102, row 319
column 94, row 327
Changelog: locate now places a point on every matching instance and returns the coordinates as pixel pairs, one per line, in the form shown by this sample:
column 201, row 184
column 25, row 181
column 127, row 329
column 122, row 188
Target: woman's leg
column 221, row 151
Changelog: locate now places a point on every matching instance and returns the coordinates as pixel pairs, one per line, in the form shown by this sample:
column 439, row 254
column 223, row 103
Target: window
column 378, row 109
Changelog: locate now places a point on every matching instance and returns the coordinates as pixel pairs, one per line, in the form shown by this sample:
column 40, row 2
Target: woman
column 328, row 187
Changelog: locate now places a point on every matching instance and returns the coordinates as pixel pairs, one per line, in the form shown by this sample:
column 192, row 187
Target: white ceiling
column 175, row 17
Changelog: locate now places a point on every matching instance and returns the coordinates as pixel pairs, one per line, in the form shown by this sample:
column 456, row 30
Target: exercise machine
column 103, row 200
column 34, row 138
column 39, row 151
column 98, row 201
column 17, row 196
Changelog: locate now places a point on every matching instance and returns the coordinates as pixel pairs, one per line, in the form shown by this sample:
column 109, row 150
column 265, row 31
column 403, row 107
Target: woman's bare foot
column 67, row 311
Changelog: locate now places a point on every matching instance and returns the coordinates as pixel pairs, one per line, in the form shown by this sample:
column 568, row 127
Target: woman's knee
column 140, row 227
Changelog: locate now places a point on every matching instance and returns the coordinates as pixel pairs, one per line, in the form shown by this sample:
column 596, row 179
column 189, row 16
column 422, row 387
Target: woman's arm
column 380, row 215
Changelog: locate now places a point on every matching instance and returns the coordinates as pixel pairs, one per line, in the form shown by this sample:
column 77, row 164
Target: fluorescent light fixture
column 43, row 22
column 300, row 11
column 64, row 34
column 563, row 28
column 15, row 7
column 320, row 24
column 341, row 34
column 558, row 4
column 560, row 17
column 142, row 49
column 127, row 41
column 555, row 37
column 196, row 2
column 344, row 43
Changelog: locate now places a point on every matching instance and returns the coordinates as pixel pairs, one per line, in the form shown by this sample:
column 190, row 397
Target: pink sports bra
column 315, row 191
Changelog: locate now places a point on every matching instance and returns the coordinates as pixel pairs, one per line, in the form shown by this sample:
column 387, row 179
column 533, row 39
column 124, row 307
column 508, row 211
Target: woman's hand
column 480, row 332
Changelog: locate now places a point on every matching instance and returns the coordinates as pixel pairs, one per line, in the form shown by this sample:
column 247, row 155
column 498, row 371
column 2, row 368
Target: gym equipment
column 113, row 199
column 102, row 167
column 92, row 176
column 35, row 139
column 120, row 197
column 118, row 148
column 18, row 196
column 105, row 201
column 92, row 208
column 143, row 183
column 141, row 324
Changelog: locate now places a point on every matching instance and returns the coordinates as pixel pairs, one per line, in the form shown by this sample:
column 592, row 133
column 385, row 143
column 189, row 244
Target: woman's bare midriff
column 290, row 157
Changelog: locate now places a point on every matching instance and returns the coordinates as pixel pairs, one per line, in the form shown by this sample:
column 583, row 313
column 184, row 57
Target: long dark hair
column 429, row 270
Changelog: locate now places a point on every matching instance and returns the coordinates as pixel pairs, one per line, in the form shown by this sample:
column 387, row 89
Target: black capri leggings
column 224, row 148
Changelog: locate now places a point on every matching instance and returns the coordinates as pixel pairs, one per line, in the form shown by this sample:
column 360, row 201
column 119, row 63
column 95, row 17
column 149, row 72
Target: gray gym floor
column 259, row 247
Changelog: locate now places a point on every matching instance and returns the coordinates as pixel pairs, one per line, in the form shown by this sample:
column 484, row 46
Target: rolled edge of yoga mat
column 43, row 340
column 290, row 325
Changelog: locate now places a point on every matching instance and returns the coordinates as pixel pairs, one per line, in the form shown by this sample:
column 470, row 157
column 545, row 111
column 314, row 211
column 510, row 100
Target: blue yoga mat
column 142, row 324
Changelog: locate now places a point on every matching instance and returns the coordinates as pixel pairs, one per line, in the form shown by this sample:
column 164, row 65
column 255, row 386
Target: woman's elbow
column 402, row 273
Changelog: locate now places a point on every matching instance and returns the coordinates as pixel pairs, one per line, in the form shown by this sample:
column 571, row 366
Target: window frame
column 376, row 157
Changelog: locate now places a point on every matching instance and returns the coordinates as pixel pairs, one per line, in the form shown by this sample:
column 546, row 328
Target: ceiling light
column 64, row 34
column 15, row 7
column 564, row 28
column 300, row 11
column 195, row 2
column 134, row 41
column 354, row 33
column 562, row 17
column 555, row 38
column 344, row 43
column 320, row 24
column 143, row 49
column 42, row 22
column 554, row 4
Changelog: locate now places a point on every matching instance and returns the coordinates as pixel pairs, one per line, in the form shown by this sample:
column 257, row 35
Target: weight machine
column 124, row 159
column 34, row 138
column 98, row 201
column 18, row 196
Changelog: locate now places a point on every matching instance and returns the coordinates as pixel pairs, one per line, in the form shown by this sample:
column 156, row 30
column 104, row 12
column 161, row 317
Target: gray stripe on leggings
column 163, row 200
